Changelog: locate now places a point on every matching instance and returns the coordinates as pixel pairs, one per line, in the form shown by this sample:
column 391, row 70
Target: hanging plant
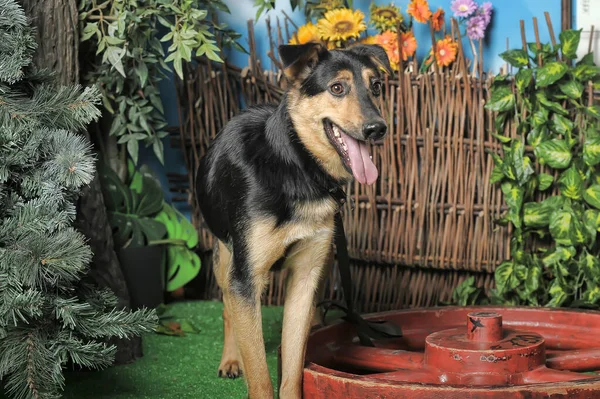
column 554, row 210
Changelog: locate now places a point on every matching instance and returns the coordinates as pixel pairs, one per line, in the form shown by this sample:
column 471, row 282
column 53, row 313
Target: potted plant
column 152, row 239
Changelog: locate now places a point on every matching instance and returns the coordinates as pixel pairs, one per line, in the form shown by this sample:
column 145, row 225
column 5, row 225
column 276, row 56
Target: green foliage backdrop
column 554, row 208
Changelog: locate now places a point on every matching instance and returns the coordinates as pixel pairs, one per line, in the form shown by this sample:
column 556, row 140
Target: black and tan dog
column 264, row 191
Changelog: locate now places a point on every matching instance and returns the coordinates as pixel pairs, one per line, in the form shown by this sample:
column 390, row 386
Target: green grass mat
column 178, row 367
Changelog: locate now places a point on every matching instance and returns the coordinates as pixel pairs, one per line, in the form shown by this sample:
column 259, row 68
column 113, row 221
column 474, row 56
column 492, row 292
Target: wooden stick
column 537, row 40
column 551, row 31
column 591, row 40
column 523, row 38
column 289, row 19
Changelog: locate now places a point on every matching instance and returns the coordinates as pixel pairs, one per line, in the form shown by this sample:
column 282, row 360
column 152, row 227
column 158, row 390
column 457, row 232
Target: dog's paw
column 230, row 369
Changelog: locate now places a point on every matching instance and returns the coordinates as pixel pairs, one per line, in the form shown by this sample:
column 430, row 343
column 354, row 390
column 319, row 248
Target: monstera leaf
column 183, row 264
column 131, row 211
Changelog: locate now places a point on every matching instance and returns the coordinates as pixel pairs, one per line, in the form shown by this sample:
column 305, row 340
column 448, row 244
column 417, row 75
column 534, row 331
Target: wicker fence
column 427, row 224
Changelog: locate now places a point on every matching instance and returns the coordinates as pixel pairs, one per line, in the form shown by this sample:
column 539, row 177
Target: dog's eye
column 337, row 89
column 376, row 87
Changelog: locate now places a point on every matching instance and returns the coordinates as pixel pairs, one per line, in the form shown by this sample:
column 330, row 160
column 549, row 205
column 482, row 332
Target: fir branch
column 16, row 42
column 90, row 354
column 30, row 366
column 118, row 323
column 62, row 107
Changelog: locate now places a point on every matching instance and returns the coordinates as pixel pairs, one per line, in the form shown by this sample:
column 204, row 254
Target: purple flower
column 476, row 27
column 486, row 12
column 463, row 8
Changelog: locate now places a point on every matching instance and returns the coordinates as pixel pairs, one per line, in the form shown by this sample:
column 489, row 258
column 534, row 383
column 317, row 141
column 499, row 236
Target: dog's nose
column 374, row 130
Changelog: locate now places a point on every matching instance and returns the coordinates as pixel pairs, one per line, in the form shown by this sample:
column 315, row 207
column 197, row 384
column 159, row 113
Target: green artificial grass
column 178, row 367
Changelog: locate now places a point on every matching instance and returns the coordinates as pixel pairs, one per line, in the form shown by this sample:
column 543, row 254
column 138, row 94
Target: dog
column 264, row 190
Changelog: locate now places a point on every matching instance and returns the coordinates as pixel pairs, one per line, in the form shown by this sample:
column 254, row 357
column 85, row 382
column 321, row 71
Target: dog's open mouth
column 354, row 153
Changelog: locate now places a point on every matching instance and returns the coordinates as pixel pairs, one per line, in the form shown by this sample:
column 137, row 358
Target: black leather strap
column 366, row 330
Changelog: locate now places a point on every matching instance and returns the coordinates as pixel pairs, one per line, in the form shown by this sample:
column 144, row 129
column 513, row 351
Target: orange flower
column 408, row 44
column 389, row 41
column 437, row 20
column 420, row 11
column 445, row 51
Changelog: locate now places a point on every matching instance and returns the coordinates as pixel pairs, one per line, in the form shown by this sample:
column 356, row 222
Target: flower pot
column 143, row 268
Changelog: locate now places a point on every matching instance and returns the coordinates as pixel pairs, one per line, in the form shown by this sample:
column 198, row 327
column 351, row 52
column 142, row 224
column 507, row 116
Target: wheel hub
column 484, row 353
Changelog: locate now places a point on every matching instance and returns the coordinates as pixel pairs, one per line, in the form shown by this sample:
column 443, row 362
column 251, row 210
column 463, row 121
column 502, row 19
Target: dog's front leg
column 306, row 266
column 247, row 325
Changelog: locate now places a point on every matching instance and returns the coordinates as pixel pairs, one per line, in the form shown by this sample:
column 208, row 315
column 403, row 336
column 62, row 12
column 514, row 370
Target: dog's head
column 332, row 103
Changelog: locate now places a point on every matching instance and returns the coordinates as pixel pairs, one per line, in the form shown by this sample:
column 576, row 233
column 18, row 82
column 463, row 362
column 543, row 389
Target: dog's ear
column 300, row 59
column 376, row 53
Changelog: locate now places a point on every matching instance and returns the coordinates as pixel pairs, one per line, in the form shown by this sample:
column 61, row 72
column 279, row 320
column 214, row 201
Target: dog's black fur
column 260, row 166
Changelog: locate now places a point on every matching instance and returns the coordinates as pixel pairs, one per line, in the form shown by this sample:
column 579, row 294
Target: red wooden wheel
column 452, row 352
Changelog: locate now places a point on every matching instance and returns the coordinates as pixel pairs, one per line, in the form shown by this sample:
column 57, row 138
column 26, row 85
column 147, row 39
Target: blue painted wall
column 504, row 25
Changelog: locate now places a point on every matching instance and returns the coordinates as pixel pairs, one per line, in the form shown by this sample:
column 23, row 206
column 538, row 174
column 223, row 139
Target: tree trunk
column 57, row 36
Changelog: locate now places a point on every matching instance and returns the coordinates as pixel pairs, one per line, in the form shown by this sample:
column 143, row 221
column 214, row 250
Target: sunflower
column 420, row 11
column 385, row 18
column 437, row 20
column 341, row 24
column 306, row 33
column 445, row 51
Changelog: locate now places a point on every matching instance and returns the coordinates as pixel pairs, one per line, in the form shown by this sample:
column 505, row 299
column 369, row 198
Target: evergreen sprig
column 49, row 313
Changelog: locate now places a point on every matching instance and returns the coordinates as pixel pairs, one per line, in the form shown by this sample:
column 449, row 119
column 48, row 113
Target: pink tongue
column 363, row 168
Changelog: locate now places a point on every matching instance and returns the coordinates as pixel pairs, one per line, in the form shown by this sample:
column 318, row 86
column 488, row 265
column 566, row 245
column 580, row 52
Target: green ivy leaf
column 571, row 183
column 537, row 136
column 521, row 163
column 593, row 111
column 500, row 121
column 537, row 214
column 502, row 275
column 592, row 195
column 550, row 73
column 587, row 59
column 591, row 151
column 558, row 294
column 513, row 195
column 539, row 117
column 561, row 227
column 545, row 181
column 556, row 257
column 585, row 72
column 561, row 125
column 534, row 276
column 555, row 153
column 551, row 105
column 516, row 58
column 592, row 295
column 497, row 175
column 569, row 41
column 571, row 88
column 502, row 139
column 523, row 79
column 591, row 267
column 503, row 99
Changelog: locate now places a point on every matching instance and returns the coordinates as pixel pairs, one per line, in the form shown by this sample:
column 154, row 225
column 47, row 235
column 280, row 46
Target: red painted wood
column 448, row 353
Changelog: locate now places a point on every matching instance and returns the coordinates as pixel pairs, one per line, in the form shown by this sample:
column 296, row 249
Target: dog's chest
column 309, row 219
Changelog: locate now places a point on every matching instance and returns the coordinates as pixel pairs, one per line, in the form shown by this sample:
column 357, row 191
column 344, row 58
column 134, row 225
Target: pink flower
column 486, row 12
column 463, row 8
column 476, row 27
